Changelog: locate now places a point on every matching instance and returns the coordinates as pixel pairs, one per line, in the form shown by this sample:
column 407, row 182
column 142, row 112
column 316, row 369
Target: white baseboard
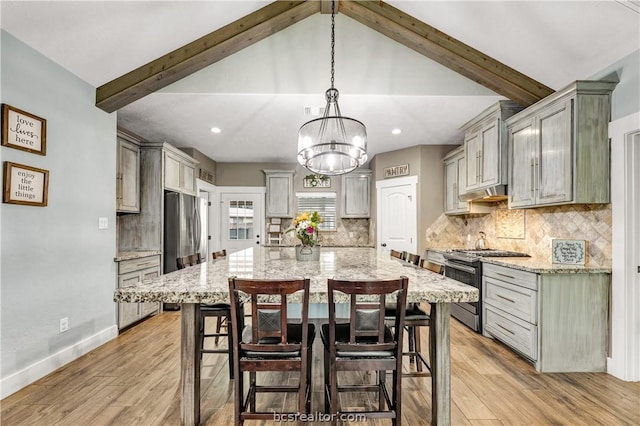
column 28, row 375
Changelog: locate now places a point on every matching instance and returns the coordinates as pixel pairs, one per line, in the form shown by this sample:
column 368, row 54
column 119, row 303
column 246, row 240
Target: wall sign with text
column 21, row 130
column 401, row 170
column 25, row 185
column 568, row 252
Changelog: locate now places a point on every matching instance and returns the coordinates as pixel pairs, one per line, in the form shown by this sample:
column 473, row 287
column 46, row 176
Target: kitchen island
column 208, row 283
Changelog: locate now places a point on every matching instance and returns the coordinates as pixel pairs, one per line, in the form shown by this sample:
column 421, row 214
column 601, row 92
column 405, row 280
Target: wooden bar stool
column 271, row 343
column 366, row 343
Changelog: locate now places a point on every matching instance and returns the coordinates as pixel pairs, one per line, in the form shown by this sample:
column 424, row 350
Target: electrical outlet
column 103, row 223
column 64, row 324
column 350, row 234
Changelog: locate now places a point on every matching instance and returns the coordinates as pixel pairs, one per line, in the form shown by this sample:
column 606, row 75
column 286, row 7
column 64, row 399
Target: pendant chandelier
column 332, row 145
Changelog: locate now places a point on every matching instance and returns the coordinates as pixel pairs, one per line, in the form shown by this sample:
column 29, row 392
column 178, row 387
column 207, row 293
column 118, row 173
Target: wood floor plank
column 134, row 381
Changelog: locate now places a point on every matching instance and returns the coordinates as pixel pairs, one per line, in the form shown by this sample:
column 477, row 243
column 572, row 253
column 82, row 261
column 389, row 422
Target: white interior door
column 397, row 215
column 624, row 359
column 241, row 219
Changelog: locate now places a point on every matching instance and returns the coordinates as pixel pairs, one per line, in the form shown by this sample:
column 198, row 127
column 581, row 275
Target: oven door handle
column 457, row 266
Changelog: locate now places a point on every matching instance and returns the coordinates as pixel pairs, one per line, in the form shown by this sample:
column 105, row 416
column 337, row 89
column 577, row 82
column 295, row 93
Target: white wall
column 55, row 261
column 625, row 301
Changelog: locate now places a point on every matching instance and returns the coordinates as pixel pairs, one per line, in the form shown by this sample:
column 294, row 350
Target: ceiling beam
column 446, row 50
column 325, row 6
column 201, row 53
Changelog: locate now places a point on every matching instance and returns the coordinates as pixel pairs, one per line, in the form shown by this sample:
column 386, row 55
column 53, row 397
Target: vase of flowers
column 305, row 226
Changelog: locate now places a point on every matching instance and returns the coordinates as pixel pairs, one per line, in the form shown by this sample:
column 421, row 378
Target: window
column 322, row 202
column 240, row 220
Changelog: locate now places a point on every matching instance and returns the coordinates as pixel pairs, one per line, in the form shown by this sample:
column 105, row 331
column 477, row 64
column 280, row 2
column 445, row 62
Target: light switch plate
column 103, row 223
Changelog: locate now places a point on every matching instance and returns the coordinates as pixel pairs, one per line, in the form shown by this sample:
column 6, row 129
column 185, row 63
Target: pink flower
column 310, row 230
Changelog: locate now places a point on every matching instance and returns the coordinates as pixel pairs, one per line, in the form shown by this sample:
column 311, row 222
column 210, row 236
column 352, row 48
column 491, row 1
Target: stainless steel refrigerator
column 184, row 228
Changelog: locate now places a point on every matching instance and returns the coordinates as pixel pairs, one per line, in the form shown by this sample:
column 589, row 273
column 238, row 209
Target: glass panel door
column 241, row 218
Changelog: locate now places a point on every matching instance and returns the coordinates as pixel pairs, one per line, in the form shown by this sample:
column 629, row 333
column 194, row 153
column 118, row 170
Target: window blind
column 322, row 202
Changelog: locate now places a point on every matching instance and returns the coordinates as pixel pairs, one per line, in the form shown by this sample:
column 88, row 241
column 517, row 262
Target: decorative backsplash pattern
column 350, row 233
column 590, row 222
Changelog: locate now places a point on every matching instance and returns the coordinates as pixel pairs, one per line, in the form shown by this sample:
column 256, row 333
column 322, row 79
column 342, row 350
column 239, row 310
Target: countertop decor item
column 481, row 241
column 333, row 144
column 568, row 252
column 305, row 225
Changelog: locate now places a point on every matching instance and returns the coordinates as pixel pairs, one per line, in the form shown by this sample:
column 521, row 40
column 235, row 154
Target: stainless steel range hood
column 486, row 195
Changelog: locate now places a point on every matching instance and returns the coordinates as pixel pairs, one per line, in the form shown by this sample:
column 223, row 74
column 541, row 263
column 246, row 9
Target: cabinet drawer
column 518, row 334
column 515, row 300
column 513, row 276
column 138, row 264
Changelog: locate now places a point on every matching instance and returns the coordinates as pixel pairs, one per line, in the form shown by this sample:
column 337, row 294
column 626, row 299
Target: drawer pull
column 505, row 329
column 505, row 275
column 505, row 298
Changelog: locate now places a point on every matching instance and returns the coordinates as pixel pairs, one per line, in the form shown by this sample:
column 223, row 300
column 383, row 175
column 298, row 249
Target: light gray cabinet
column 179, row 171
column 558, row 321
column 131, row 272
column 455, row 183
column 356, row 194
column 485, row 147
column 279, row 201
column 559, row 148
column 127, row 176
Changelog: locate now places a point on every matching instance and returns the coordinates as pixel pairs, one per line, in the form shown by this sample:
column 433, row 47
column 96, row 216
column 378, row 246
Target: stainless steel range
column 466, row 266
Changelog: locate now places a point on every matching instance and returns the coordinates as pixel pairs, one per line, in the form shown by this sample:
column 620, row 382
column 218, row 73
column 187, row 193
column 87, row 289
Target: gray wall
column 626, row 95
column 425, row 162
column 55, row 261
column 206, row 168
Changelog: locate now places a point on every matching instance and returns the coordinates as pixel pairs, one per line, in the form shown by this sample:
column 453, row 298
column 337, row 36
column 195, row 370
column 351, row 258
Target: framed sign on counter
column 568, row 252
column 24, row 131
column 25, row 185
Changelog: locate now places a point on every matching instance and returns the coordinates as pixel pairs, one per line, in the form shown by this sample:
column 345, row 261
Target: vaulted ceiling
column 422, row 66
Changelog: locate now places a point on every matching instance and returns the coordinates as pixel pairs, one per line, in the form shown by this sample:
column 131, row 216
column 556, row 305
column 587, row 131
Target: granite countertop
column 128, row 255
column 535, row 264
column 544, row 266
column 331, row 246
column 208, row 282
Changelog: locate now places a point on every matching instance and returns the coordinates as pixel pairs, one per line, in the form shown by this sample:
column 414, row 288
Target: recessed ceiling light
column 215, row 130
column 396, row 131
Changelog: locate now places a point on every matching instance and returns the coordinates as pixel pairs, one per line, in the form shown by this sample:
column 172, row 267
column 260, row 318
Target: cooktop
column 491, row 253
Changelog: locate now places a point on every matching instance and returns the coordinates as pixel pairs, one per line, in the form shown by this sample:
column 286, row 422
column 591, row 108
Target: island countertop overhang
column 208, row 282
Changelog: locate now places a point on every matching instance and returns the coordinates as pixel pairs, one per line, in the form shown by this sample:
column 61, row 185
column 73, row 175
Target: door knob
column 383, row 244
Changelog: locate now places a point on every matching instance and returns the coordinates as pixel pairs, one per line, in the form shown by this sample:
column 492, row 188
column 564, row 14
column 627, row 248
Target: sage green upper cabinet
column 454, row 176
column 560, row 148
column 356, row 200
column 128, row 176
column 279, row 195
column 179, row 171
column 485, row 147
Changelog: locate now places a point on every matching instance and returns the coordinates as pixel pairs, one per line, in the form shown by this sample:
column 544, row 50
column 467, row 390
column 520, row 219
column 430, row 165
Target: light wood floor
column 133, row 380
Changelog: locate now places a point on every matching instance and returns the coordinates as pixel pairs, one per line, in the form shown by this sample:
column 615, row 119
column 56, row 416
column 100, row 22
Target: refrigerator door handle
column 197, row 226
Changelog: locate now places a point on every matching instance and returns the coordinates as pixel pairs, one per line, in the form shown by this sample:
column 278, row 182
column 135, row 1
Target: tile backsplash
column 349, row 233
column 529, row 230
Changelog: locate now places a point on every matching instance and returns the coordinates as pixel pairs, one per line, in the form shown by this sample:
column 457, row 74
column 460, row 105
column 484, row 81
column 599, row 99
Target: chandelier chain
column 333, row 39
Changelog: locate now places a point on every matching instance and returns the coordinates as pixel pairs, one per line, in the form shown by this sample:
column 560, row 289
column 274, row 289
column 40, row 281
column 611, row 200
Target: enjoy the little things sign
column 568, row 252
